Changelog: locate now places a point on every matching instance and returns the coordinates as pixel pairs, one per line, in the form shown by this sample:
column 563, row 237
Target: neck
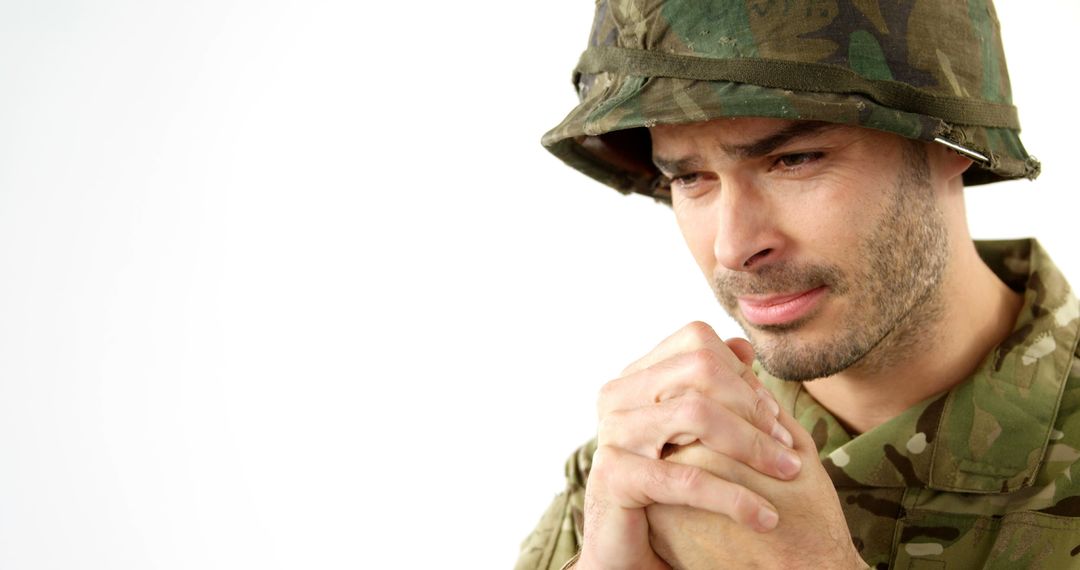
column 974, row 311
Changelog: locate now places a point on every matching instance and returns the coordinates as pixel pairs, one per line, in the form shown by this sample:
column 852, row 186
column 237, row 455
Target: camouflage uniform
column 978, row 477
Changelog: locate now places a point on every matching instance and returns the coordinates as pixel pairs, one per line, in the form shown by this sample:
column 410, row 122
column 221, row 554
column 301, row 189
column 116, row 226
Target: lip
column 780, row 309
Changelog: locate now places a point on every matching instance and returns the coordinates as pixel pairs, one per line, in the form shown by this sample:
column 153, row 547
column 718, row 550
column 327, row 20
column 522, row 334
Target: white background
column 294, row 285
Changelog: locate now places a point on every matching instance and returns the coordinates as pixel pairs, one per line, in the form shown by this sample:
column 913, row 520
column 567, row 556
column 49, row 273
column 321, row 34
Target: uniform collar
column 988, row 434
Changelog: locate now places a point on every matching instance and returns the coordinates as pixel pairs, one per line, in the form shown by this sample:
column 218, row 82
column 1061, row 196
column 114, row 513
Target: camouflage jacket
column 978, row 477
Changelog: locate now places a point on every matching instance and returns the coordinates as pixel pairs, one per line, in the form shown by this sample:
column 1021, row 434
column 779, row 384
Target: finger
column 699, row 335
column 720, row 465
column 629, row 481
column 693, row 336
column 680, row 421
column 802, row 441
column 700, row 370
column 742, row 349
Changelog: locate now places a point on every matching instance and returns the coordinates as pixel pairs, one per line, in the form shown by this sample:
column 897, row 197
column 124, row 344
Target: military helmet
column 931, row 70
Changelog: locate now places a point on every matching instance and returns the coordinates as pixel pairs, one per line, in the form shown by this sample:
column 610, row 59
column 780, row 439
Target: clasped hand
column 698, row 467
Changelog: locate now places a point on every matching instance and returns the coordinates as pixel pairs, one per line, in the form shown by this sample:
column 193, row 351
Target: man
column 907, row 398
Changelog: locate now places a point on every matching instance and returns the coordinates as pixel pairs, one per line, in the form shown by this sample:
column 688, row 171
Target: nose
column 746, row 233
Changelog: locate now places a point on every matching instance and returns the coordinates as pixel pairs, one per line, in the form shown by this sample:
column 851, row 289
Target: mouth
column 780, row 309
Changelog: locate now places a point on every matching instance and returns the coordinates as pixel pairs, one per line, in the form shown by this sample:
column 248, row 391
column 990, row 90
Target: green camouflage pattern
column 932, row 51
column 979, row 477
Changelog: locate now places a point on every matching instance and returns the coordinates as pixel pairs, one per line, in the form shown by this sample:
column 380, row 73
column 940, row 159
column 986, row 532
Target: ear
column 946, row 163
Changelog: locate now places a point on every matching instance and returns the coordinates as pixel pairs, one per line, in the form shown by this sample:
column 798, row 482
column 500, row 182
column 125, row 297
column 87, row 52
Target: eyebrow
column 768, row 144
column 754, row 149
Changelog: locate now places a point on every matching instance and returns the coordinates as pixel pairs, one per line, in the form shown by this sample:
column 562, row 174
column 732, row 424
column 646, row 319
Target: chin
column 799, row 360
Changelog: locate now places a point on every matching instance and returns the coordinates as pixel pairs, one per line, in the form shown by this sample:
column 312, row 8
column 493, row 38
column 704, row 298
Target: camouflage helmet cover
column 922, row 69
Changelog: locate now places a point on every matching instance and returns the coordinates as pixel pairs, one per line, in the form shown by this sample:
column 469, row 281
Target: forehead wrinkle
column 769, row 143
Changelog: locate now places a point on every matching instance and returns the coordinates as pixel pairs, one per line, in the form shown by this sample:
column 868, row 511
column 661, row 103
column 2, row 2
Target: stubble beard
column 893, row 299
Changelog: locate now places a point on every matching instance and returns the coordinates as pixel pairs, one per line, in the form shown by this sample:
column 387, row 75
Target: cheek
column 826, row 229
column 835, row 215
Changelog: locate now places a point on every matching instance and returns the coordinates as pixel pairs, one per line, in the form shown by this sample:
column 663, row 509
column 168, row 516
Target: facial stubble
column 893, row 296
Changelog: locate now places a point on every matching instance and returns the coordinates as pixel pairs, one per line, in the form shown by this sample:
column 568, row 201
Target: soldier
column 907, row 398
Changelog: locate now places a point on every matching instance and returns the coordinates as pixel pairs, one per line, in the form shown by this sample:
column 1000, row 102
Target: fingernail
column 781, row 434
column 788, row 464
column 769, row 401
column 767, row 517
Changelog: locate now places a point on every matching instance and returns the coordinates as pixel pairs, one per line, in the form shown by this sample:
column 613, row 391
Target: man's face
column 824, row 242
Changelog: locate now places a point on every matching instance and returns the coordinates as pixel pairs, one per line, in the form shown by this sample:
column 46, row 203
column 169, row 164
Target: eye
column 797, row 160
column 684, row 180
column 690, row 185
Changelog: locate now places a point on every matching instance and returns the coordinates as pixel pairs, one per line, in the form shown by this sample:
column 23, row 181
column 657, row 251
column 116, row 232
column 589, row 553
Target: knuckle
column 607, row 394
column 702, row 362
column 607, row 390
column 601, row 463
column 689, row 477
column 761, row 447
column 760, row 414
column 699, row 332
column 744, row 505
column 694, row 409
column 607, row 429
